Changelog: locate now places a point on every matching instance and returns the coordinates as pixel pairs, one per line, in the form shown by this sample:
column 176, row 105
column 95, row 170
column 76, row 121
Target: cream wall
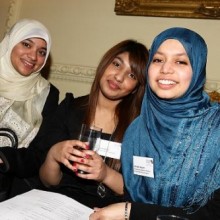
column 82, row 30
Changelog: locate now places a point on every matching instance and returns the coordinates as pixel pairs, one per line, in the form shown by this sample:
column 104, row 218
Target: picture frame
column 203, row 9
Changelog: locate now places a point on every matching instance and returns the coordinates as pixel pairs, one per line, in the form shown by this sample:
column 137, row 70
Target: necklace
column 101, row 190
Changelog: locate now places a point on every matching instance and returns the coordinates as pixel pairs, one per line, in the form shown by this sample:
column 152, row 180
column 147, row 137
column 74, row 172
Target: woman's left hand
column 93, row 165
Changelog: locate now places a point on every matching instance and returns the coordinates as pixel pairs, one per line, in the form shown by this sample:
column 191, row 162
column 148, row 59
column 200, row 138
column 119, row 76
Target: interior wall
column 4, row 6
column 82, row 31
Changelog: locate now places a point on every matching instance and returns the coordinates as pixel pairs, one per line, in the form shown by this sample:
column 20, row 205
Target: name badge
column 109, row 149
column 143, row 166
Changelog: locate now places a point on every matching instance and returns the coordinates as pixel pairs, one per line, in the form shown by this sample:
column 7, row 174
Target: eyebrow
column 119, row 58
column 178, row 54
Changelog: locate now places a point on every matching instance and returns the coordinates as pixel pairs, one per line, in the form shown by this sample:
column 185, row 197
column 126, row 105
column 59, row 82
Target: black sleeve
column 211, row 211
column 20, row 161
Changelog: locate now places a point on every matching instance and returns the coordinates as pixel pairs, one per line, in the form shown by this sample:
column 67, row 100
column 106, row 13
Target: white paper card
column 109, row 149
column 37, row 204
column 143, row 166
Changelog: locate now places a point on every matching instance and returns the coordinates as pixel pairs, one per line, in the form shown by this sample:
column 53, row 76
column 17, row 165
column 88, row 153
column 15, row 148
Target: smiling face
column 118, row 80
column 29, row 55
column 170, row 71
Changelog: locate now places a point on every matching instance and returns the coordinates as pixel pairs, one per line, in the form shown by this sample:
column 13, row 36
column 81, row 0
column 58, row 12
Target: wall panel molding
column 86, row 74
column 72, row 73
column 13, row 13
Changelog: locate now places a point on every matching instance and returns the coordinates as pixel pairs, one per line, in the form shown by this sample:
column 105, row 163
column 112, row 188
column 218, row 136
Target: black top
column 65, row 126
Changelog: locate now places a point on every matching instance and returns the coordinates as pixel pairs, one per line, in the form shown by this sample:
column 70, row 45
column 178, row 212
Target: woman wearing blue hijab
column 171, row 152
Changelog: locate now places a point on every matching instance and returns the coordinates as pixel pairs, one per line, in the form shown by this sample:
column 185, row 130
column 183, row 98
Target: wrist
column 107, row 173
column 127, row 210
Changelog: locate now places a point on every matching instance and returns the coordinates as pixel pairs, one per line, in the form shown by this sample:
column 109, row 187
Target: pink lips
column 113, row 85
column 28, row 64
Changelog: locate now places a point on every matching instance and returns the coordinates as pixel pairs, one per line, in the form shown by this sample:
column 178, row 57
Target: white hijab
column 22, row 98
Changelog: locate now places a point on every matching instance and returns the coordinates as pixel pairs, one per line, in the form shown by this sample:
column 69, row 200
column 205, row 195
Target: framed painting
column 205, row 9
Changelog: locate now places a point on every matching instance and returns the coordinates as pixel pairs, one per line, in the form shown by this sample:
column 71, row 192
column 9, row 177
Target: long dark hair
column 138, row 57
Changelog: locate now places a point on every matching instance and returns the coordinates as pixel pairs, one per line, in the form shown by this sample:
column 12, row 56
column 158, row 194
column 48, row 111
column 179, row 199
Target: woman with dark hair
column 113, row 103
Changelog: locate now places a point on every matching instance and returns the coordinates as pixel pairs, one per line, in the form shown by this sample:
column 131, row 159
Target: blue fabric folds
column 181, row 135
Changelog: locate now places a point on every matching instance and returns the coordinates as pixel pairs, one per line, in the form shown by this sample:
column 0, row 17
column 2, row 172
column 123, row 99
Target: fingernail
column 87, row 156
column 87, row 147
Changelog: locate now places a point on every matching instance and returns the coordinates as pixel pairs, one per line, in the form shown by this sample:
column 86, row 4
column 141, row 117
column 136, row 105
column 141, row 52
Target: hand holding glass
column 92, row 135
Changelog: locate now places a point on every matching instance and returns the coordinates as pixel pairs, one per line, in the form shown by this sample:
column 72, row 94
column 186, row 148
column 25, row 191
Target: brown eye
column 25, row 44
column 156, row 60
column 42, row 53
column 132, row 76
column 115, row 63
column 182, row 62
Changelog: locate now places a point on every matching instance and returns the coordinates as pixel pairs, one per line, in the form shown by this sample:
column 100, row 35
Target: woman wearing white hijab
column 25, row 96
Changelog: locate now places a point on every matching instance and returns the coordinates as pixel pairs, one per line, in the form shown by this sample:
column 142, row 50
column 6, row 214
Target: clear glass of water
column 92, row 135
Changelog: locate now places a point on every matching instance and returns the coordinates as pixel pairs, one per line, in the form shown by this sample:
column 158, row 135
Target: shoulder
column 54, row 89
column 77, row 102
column 53, row 94
column 71, row 104
column 70, row 108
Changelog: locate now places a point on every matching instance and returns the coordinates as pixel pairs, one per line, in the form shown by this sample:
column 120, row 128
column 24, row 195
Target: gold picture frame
column 205, row 9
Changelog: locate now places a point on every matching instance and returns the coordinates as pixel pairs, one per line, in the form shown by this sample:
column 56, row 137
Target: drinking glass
column 170, row 217
column 92, row 135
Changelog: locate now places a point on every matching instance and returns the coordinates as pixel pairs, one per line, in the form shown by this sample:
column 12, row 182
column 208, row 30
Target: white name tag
column 143, row 166
column 109, row 149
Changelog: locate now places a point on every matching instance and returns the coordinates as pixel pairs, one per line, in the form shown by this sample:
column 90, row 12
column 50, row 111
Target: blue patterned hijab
column 181, row 135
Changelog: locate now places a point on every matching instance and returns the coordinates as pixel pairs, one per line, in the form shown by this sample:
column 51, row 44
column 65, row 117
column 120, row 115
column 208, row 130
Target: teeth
column 166, row 82
column 28, row 64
